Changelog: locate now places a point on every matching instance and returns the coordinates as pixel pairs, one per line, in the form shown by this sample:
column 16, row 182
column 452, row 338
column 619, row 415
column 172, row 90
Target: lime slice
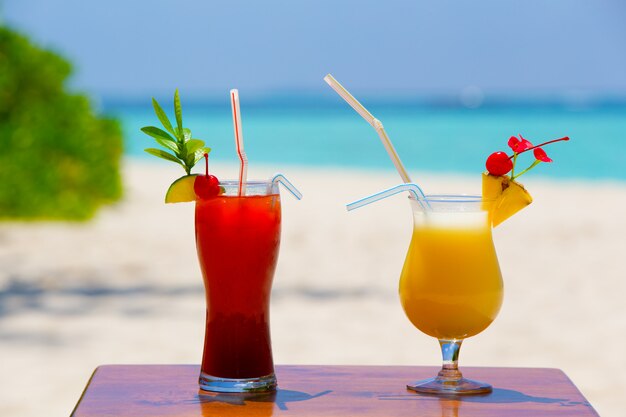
column 181, row 190
column 508, row 197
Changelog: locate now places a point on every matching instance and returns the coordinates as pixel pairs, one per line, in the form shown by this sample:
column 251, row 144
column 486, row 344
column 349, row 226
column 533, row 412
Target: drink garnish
column 506, row 195
column 180, row 148
column 182, row 190
column 206, row 186
column 499, row 163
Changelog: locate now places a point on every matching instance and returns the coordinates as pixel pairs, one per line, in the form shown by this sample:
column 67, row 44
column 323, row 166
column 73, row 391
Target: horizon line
column 304, row 99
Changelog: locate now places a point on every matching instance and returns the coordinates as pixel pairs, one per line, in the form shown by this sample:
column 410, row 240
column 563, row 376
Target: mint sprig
column 180, row 147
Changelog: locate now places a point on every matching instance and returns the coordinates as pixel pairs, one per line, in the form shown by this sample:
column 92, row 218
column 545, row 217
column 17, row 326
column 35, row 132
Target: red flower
column 541, row 155
column 499, row 163
column 519, row 145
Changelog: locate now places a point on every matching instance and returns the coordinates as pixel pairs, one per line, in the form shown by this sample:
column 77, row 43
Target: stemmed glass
column 451, row 285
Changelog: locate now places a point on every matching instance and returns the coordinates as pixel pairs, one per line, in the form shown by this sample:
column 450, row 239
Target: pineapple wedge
column 507, row 197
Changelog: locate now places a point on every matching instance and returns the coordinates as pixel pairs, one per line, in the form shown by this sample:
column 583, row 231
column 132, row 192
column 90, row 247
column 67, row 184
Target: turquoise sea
column 431, row 137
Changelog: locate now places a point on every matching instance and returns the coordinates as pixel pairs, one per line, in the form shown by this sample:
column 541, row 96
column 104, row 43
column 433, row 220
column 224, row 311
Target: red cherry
column 206, row 186
column 499, row 163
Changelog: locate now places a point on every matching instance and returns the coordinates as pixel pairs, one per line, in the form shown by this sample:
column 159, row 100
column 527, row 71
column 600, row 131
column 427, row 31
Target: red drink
column 237, row 240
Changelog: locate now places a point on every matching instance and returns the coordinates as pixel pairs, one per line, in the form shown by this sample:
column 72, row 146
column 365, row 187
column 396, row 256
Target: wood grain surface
column 325, row 391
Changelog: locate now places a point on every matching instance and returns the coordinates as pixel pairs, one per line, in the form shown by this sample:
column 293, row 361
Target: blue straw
column 414, row 189
column 280, row 178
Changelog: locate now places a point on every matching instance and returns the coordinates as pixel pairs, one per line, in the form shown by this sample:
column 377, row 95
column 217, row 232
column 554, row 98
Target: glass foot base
column 441, row 386
column 217, row 384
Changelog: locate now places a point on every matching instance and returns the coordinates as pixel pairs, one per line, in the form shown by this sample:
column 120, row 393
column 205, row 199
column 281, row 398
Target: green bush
column 58, row 160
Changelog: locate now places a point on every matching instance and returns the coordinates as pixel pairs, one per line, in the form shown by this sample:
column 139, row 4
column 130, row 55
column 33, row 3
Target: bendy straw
column 412, row 188
column 376, row 124
column 280, row 179
column 243, row 168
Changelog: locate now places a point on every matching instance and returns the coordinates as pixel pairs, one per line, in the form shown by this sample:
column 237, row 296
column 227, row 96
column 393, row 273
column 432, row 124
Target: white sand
column 126, row 287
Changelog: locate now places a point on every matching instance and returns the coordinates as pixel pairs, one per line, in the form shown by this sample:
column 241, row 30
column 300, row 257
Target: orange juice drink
column 451, row 285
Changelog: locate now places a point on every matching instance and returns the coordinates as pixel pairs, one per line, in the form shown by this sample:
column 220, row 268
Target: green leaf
column 183, row 135
column 163, row 154
column 193, row 145
column 168, row 144
column 200, row 154
column 190, row 160
column 155, row 132
column 161, row 137
column 178, row 110
column 162, row 117
column 187, row 150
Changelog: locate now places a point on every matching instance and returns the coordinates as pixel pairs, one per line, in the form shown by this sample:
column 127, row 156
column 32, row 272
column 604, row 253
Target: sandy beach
column 126, row 287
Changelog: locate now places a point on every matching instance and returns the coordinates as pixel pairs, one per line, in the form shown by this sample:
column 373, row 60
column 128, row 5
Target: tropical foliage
column 58, row 159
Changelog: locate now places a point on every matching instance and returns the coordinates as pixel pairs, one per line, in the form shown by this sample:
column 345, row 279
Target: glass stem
column 450, row 354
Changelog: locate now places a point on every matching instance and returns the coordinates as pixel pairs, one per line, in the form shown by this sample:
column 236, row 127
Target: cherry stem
column 206, row 164
column 546, row 143
column 534, row 164
column 538, row 146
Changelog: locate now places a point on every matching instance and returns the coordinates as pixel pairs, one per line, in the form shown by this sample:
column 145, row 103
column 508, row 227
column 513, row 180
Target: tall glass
column 237, row 239
column 451, row 285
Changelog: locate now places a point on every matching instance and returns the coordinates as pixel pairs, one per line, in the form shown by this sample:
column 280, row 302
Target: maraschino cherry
column 499, row 163
column 206, row 186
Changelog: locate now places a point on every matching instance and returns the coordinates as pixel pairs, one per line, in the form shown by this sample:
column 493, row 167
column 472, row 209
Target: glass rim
column 248, row 182
column 454, row 198
column 253, row 188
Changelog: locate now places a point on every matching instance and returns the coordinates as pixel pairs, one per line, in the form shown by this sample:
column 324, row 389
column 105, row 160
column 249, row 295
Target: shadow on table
column 498, row 396
column 507, row 396
column 281, row 397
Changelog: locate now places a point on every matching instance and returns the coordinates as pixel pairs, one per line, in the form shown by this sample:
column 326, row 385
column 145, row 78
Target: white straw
column 243, row 169
column 349, row 98
column 376, row 124
column 391, row 151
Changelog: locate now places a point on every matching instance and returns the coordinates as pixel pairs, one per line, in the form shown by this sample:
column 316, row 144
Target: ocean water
column 435, row 138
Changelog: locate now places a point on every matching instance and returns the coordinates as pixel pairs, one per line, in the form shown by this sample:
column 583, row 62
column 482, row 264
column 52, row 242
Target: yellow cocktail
column 451, row 286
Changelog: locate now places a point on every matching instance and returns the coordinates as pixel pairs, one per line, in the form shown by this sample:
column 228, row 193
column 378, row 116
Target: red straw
column 243, row 169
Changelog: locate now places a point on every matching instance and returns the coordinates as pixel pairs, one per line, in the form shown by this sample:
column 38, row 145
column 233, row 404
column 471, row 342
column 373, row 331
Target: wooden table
column 324, row 391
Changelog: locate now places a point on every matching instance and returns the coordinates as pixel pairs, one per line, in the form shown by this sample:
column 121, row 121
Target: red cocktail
column 237, row 238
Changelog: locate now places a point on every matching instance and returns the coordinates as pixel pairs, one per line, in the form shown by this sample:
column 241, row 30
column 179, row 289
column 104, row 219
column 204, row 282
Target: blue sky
column 134, row 48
